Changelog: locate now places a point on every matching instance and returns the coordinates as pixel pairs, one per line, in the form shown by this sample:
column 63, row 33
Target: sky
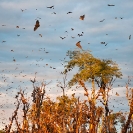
column 25, row 53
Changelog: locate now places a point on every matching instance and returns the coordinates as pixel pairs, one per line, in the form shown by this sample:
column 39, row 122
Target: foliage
column 91, row 68
column 68, row 114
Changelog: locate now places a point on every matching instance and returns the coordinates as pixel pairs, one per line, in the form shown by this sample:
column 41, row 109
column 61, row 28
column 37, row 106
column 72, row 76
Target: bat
column 102, row 42
column 129, row 37
column 79, row 45
column 51, row 7
column 69, row 12
column 117, row 94
column 102, row 20
column 40, row 35
column 62, row 37
column 82, row 17
column 36, row 25
column 80, row 35
column 110, row 5
column 72, row 29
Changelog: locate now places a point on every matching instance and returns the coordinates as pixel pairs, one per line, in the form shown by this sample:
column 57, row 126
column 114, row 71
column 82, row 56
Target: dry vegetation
column 69, row 114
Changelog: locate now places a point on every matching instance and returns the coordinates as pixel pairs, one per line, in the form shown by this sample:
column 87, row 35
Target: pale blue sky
column 30, row 50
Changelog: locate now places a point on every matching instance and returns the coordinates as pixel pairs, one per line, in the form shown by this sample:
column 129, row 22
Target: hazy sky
column 23, row 52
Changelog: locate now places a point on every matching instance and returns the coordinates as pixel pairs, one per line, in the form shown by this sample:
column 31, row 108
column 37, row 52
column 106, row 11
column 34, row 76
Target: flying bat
column 72, row 29
column 116, row 94
column 110, row 5
column 62, row 37
column 79, row 45
column 51, row 7
column 102, row 20
column 40, row 35
column 102, row 42
column 23, row 10
column 36, row 25
column 82, row 17
column 129, row 37
column 80, row 35
column 69, row 12
column 54, row 13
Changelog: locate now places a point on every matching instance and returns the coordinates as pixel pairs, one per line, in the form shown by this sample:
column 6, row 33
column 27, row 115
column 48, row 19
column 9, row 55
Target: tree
column 129, row 122
column 93, row 70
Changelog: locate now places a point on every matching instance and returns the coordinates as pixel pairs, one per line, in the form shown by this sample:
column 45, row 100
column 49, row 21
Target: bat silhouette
column 69, row 12
column 116, row 94
column 72, row 29
column 129, row 37
column 54, row 13
column 110, row 5
column 50, row 7
column 62, row 37
column 40, row 35
column 80, row 35
column 102, row 20
column 36, row 25
column 82, row 17
column 79, row 45
column 102, row 42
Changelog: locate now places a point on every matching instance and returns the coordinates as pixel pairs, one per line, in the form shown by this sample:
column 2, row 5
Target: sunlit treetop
column 90, row 67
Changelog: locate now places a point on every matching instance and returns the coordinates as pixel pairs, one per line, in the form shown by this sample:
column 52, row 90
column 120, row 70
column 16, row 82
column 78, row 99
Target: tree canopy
column 101, row 70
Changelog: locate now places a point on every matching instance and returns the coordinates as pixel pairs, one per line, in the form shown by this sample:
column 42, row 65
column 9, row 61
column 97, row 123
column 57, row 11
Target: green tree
column 93, row 70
